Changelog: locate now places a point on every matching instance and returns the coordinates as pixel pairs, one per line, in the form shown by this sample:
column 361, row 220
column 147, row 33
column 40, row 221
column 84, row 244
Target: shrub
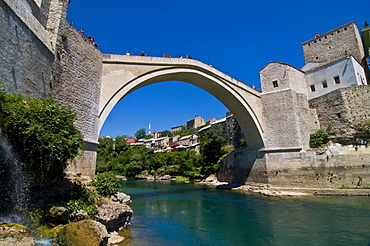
column 107, row 184
column 363, row 132
column 81, row 198
column 318, row 139
column 41, row 132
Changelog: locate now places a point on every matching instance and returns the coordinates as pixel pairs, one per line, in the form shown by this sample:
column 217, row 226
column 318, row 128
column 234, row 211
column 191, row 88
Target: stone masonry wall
column 339, row 110
column 76, row 83
column 280, row 120
column 335, row 166
column 76, row 79
column 335, row 44
column 26, row 63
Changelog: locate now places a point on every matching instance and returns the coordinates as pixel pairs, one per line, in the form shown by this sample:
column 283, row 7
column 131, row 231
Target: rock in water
column 121, row 198
column 113, row 215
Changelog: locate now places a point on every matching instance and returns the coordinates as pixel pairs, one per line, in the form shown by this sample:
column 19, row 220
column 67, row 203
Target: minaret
column 149, row 129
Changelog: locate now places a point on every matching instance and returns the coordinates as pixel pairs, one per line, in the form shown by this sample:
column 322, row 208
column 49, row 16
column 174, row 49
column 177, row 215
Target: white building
column 324, row 78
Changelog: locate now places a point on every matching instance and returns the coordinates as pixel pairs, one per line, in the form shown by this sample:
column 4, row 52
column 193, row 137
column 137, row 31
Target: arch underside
column 218, row 87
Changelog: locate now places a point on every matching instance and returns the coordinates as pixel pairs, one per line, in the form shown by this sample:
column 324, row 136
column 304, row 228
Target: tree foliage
column 166, row 133
column 107, row 184
column 140, row 133
column 318, row 139
column 41, row 132
column 212, row 142
column 132, row 160
column 135, row 159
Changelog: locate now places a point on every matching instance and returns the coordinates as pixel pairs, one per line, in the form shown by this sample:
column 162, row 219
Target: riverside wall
column 334, row 166
column 340, row 110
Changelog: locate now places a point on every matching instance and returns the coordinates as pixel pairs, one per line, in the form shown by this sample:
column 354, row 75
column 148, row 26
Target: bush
column 107, row 184
column 81, row 198
column 318, row 139
column 41, row 132
column 212, row 149
column 363, row 132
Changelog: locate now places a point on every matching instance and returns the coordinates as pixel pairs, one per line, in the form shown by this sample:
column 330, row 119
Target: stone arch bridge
column 274, row 122
column 124, row 74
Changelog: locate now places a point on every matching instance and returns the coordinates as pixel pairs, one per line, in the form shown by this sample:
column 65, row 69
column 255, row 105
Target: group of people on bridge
column 128, row 53
column 89, row 38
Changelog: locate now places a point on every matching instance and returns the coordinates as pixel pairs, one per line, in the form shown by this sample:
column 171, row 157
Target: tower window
column 324, row 84
column 312, row 87
column 336, row 80
column 275, row 83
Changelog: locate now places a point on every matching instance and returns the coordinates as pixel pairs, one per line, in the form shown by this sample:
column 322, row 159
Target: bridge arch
column 125, row 74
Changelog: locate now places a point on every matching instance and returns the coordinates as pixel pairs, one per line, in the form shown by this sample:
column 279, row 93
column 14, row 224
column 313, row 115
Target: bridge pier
column 84, row 164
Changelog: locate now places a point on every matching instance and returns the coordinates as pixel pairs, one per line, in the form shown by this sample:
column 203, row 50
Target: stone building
column 329, row 92
column 322, row 79
column 336, row 74
column 334, row 45
column 231, row 130
column 176, row 128
column 288, row 118
column 196, row 122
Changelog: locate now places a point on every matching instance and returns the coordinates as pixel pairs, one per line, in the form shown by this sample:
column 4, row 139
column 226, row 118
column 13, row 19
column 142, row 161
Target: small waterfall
column 15, row 186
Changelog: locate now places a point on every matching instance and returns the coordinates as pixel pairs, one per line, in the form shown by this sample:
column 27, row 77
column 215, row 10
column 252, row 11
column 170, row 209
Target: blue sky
column 238, row 37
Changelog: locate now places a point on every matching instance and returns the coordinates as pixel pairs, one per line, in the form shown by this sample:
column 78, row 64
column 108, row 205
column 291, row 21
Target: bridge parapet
column 165, row 61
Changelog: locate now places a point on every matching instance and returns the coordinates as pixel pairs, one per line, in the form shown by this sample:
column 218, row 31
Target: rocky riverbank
column 65, row 227
column 271, row 190
column 267, row 189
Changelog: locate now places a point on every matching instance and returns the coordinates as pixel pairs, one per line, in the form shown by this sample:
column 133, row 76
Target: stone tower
column 336, row 44
column 287, row 117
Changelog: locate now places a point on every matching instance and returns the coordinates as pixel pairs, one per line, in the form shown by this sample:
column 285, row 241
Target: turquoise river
column 172, row 213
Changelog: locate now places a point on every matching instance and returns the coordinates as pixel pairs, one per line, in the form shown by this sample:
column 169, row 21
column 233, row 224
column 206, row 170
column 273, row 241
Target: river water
column 172, row 213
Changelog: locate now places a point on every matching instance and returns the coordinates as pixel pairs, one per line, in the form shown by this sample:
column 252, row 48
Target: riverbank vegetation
column 41, row 133
column 360, row 136
column 38, row 138
column 121, row 158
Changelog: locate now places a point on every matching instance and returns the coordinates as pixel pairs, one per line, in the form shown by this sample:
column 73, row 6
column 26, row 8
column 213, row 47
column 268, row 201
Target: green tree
column 318, row 139
column 42, row 133
column 166, row 133
column 105, row 154
column 363, row 132
column 212, row 142
column 120, row 144
column 140, row 133
column 107, row 184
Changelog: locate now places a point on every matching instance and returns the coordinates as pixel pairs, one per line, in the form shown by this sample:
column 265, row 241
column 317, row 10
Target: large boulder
column 85, row 232
column 12, row 234
column 113, row 215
